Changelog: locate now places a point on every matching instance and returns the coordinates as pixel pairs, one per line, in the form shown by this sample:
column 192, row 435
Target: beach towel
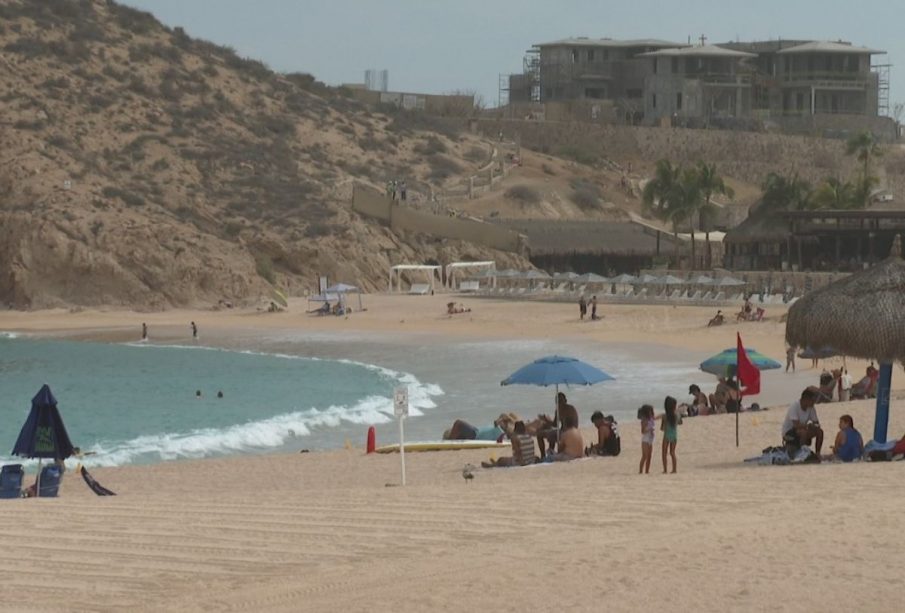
column 96, row 487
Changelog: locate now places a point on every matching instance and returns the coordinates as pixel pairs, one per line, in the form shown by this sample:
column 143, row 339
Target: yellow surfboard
column 443, row 446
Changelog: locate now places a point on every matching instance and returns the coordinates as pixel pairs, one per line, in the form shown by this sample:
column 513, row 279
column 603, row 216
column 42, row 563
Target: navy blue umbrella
column 810, row 353
column 557, row 370
column 44, row 435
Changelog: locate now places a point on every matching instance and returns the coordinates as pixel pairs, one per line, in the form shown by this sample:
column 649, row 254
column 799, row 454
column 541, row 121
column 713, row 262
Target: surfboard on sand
column 443, row 446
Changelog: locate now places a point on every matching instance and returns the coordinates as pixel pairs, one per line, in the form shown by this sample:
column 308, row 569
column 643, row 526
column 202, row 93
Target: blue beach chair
column 11, row 477
column 50, row 481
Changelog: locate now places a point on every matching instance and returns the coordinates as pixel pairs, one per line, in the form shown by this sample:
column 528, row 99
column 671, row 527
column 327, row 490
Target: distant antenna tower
column 377, row 80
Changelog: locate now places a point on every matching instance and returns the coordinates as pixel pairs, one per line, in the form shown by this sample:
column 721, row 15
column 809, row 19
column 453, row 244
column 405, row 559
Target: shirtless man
column 571, row 443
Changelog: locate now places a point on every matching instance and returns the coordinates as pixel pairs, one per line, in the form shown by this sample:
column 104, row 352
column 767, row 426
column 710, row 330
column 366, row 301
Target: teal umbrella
column 719, row 364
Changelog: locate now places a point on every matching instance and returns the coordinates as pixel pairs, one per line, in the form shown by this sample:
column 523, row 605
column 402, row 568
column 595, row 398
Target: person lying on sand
column 464, row 431
column 452, row 308
column 323, row 309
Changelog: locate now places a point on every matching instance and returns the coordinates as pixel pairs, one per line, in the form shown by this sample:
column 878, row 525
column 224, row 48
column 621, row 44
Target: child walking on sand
column 646, row 415
column 670, row 427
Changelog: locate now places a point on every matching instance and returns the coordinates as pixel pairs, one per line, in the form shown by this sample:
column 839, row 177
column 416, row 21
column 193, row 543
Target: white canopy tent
column 433, row 275
column 341, row 290
column 452, row 269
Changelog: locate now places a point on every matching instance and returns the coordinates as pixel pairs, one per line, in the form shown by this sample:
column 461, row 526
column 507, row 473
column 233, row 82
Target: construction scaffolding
column 502, row 98
column 882, row 71
column 531, row 67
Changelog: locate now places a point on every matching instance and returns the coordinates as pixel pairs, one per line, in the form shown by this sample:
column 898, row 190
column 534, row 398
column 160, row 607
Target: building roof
column 829, row 47
column 623, row 238
column 582, row 41
column 698, row 51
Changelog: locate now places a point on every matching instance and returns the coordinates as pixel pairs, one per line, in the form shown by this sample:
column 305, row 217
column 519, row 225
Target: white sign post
column 401, row 410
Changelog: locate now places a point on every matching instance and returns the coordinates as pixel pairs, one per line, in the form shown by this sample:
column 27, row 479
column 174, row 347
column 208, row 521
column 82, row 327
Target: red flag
column 748, row 374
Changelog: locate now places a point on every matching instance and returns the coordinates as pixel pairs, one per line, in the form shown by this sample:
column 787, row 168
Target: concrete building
column 702, row 82
column 584, row 68
column 800, row 84
column 813, row 77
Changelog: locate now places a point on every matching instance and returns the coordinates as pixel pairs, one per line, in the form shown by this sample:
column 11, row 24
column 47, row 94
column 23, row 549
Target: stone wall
column 371, row 203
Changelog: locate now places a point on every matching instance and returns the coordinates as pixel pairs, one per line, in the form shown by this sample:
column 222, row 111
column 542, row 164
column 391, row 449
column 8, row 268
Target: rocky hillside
column 141, row 167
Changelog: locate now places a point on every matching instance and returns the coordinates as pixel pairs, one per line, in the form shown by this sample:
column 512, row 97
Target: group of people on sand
column 583, row 305
column 192, row 326
column 560, row 440
column 397, row 190
column 726, row 398
column 801, row 427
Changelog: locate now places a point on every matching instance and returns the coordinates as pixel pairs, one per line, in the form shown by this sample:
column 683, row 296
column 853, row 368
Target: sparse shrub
column 430, row 146
column 578, row 154
column 59, row 141
column 586, row 195
column 138, row 85
column 317, row 229
column 442, row 167
column 475, row 155
column 128, row 198
column 133, row 20
column 548, row 170
column 160, row 165
column 24, row 124
column 523, row 194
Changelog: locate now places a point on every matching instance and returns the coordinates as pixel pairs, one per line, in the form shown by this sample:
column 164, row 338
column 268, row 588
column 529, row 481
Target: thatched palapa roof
column 592, row 237
column 759, row 227
column 862, row 315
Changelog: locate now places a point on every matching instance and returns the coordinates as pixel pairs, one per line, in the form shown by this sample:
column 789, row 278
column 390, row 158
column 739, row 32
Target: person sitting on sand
column 521, row 443
column 849, row 443
column 464, row 431
column 719, row 397
column 571, row 443
column 608, row 442
column 801, row 425
column 717, row 320
column 699, row 402
column 323, row 309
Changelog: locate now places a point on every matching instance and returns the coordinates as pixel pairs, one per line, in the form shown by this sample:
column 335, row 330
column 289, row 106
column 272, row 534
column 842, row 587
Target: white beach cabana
column 341, row 289
column 433, row 277
column 452, row 270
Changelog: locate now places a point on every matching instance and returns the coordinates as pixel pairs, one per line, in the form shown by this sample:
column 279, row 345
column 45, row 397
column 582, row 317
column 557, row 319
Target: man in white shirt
column 801, row 424
column 846, row 381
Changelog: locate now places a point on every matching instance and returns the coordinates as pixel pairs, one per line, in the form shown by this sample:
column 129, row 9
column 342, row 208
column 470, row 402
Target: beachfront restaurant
column 596, row 245
column 819, row 241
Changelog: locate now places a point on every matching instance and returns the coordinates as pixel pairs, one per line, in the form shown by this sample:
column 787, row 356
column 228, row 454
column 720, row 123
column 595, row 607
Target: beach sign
column 401, row 401
column 401, row 409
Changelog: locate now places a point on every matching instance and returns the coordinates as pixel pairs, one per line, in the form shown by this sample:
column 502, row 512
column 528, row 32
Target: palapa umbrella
column 624, row 279
column 670, row 280
column 702, row 280
column 862, row 316
column 730, row 282
column 647, row 279
column 43, row 435
column 590, row 277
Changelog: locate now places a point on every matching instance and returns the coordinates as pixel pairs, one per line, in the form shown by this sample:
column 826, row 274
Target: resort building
column 797, row 85
column 817, row 241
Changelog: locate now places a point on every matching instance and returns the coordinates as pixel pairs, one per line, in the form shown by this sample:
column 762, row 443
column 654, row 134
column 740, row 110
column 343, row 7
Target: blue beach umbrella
column 557, row 370
column 718, row 364
column 43, row 435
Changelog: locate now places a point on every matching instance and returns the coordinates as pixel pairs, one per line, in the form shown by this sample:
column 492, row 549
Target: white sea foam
column 8, row 334
column 269, row 433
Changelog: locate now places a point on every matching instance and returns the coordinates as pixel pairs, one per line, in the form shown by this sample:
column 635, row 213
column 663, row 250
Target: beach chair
column 11, row 477
column 676, row 294
column 719, row 297
column 707, row 296
column 50, row 481
column 419, row 289
column 523, row 449
column 695, row 296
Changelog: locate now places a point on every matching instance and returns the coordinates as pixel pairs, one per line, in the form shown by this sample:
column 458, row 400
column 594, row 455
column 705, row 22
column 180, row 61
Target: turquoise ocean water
column 136, row 403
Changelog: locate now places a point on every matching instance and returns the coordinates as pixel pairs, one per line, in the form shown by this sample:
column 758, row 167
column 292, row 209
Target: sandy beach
column 333, row 530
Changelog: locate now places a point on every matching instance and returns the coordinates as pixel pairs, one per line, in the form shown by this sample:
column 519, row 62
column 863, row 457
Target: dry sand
column 323, row 532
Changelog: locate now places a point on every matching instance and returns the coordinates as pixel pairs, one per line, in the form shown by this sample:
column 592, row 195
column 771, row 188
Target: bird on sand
column 467, row 473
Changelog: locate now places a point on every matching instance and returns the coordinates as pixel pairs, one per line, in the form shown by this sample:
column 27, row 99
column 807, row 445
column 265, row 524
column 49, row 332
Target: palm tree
column 709, row 183
column 781, row 193
column 835, row 194
column 663, row 196
column 864, row 147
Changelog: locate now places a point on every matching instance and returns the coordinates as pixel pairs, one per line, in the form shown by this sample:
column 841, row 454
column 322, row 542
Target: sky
column 441, row 46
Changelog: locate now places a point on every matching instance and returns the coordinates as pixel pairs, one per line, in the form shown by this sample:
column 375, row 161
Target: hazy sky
column 438, row 46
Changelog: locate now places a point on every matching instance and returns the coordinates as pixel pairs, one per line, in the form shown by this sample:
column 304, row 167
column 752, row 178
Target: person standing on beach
column 594, row 308
column 582, row 307
column 646, row 415
column 845, row 386
column 402, row 190
column 194, row 331
column 790, row 358
column 144, row 331
column 670, row 427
